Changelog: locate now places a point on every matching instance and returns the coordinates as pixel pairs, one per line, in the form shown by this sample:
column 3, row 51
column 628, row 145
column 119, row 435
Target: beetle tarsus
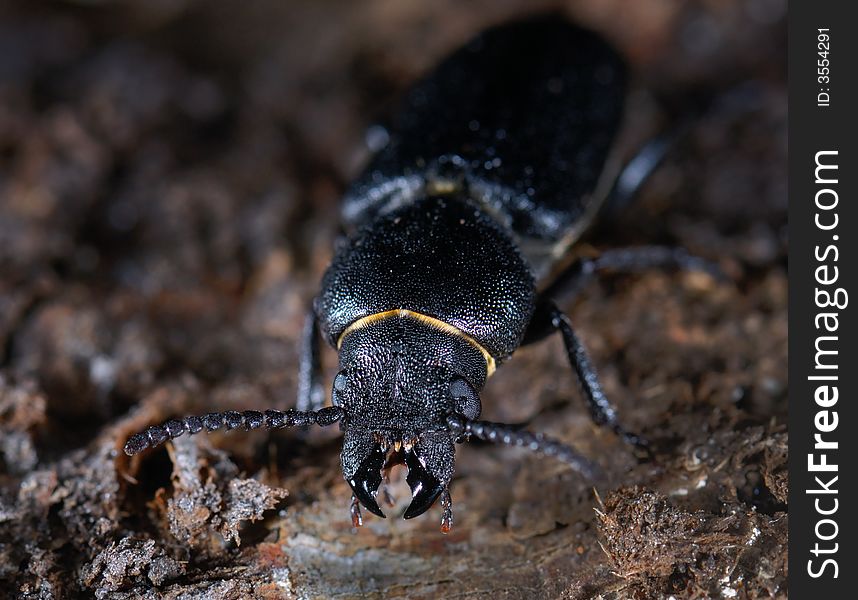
column 638, row 441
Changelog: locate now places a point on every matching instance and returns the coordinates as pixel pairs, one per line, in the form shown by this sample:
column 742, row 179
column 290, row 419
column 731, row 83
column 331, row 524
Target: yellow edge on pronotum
column 431, row 321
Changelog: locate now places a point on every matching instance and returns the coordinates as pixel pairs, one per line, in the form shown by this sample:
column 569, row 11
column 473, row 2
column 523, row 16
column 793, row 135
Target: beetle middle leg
column 583, row 271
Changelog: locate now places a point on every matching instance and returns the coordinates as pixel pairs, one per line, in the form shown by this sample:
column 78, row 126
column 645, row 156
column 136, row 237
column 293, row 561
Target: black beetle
column 497, row 162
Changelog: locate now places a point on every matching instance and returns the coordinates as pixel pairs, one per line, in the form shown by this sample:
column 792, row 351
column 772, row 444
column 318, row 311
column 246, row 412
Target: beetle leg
column 572, row 280
column 569, row 283
column 310, row 394
column 547, row 319
column 637, row 170
column 601, row 410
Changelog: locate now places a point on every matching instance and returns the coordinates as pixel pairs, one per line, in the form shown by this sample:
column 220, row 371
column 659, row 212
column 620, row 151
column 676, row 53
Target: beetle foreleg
column 229, row 420
column 548, row 318
column 310, row 393
column 601, row 410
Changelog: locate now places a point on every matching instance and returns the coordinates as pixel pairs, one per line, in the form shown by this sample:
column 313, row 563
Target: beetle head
column 399, row 381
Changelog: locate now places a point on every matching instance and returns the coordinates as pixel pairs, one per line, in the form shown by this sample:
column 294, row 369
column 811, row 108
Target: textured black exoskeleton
column 496, row 163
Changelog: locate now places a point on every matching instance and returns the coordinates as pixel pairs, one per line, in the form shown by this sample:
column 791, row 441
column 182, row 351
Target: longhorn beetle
column 496, row 163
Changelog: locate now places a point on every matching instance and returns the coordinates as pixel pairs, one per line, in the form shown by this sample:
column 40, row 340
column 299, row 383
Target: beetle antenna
column 502, row 433
column 229, row 420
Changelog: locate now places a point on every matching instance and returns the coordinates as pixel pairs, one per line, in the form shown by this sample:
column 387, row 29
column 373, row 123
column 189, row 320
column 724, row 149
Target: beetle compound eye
column 466, row 398
column 459, row 388
column 341, row 381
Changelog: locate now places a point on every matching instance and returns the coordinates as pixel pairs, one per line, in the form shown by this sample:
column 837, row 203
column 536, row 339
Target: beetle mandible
column 496, row 163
